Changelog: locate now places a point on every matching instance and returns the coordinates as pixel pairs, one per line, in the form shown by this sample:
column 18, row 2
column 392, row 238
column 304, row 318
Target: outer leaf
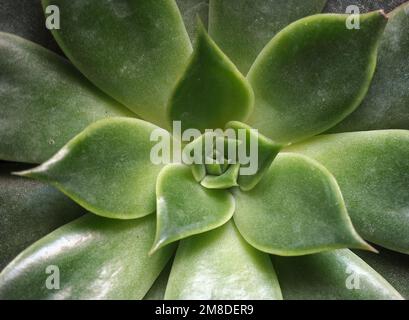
column 393, row 266
column 313, row 74
column 97, row 258
column 28, row 211
column 134, row 50
column 157, row 291
column 44, row 101
column 190, row 9
column 296, row 209
column 267, row 150
column 107, row 169
column 212, row 91
column 221, row 265
column 372, row 169
column 243, row 27
column 386, row 105
column 185, row 208
column 338, row 274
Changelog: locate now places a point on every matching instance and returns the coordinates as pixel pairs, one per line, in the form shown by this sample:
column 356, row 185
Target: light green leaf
column 212, row 91
column 336, row 275
column 44, row 101
column 157, row 291
column 372, row 169
column 220, row 265
column 393, row 266
column 296, row 209
column 107, row 168
column 267, row 150
column 313, row 74
column 97, row 258
column 185, row 208
column 133, row 50
column 387, row 101
column 243, row 27
column 224, row 181
column 29, row 210
column 190, row 9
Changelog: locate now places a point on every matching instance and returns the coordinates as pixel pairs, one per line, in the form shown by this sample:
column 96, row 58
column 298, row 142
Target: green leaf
column 29, row 210
column 185, row 208
column 190, row 9
column 243, row 27
column 393, row 266
column 212, row 91
column 313, row 74
column 224, row 181
column 386, row 104
column 267, row 150
column 372, row 169
column 336, row 275
column 157, row 291
column 220, row 265
column 132, row 50
column 44, row 101
column 97, row 258
column 107, row 168
column 296, row 209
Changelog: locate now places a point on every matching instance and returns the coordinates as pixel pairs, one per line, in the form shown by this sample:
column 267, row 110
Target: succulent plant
column 327, row 104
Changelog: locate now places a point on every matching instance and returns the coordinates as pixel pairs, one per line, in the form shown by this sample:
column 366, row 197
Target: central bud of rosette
column 222, row 159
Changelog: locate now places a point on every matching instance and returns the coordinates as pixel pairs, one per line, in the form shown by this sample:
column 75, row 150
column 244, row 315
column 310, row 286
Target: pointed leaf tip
column 211, row 91
column 296, row 209
column 313, row 74
column 185, row 208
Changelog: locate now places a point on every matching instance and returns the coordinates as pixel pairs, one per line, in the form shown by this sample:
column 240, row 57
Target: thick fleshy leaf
column 337, row 274
column 221, row 265
column 190, row 9
column 386, row 105
column 372, row 169
column 243, row 27
column 393, row 266
column 133, row 50
column 158, row 289
column 313, row 74
column 224, row 181
column 296, row 209
column 212, row 91
column 29, row 210
column 185, row 208
column 97, row 258
column 44, row 101
column 107, row 168
column 267, row 150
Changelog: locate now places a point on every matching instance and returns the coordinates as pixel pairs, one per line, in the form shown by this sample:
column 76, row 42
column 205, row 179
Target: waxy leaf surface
column 107, row 168
column 335, row 275
column 185, row 208
column 221, row 265
column 97, row 258
column 44, row 101
column 134, row 50
column 313, row 74
column 372, row 170
column 243, row 27
column 296, row 209
column 212, row 91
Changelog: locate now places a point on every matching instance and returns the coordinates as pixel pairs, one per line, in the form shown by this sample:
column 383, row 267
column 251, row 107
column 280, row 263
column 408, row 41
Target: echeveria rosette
column 240, row 236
